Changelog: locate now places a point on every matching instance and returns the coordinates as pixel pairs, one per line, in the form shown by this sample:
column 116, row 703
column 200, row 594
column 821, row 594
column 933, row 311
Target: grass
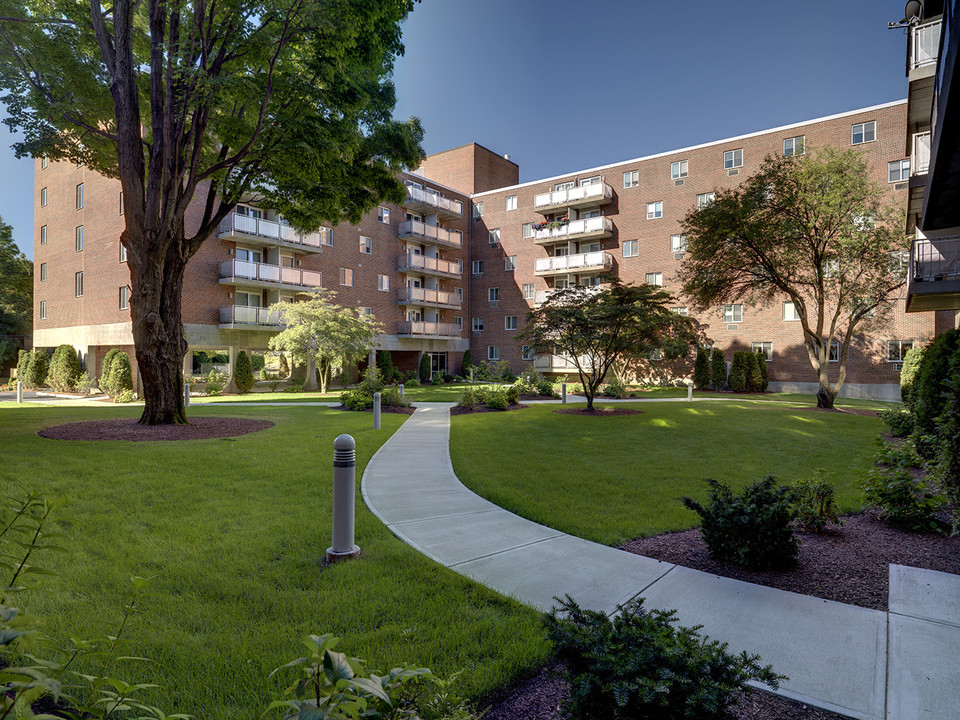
column 611, row 479
column 233, row 531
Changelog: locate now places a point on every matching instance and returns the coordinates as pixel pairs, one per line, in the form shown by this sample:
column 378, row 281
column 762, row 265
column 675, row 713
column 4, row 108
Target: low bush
column 718, row 369
column 497, row 400
column 513, row 395
column 899, row 422
column 814, row 503
column 701, row 370
column 294, row 388
column 412, row 382
column 751, row 529
column 642, row 664
column 124, row 396
column 356, row 400
column 904, row 500
column 614, row 390
column 83, row 383
column 468, row 398
column 391, row 397
column 372, row 382
column 216, row 382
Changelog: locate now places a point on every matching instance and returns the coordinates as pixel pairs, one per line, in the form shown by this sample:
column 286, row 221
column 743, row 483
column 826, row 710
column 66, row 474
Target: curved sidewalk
column 835, row 655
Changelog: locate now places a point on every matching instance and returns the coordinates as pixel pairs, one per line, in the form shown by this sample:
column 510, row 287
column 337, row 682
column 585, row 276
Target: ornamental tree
column 192, row 103
column 323, row 335
column 810, row 229
column 596, row 329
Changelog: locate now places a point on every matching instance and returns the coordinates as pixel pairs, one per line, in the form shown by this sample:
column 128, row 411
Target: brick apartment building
column 463, row 260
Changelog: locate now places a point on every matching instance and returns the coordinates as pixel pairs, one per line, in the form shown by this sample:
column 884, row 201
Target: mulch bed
column 383, row 408
column 484, row 408
column 597, row 412
column 199, row 428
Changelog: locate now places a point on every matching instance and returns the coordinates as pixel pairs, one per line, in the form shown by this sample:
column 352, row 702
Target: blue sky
column 564, row 85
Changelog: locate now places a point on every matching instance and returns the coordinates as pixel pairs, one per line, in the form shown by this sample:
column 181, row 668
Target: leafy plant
column 216, row 382
column 751, row 529
column 908, row 374
column 641, row 664
column 467, row 363
column 814, row 503
column 615, row 390
column 738, row 371
column 701, row 370
column 243, row 373
column 23, row 364
column 356, row 400
column 468, row 398
column 904, row 500
column 294, row 388
column 752, row 362
column 513, row 395
column 899, row 422
column 497, row 400
column 37, row 369
column 372, row 382
column 929, row 399
column 718, row 369
column 764, row 371
column 83, row 383
column 125, row 396
column 106, row 378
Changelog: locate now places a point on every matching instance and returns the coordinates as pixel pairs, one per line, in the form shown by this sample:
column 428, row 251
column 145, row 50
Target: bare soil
column 199, row 428
column 598, row 412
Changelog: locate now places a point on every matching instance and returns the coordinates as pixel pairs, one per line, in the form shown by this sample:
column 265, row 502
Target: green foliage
column 387, row 370
column 37, row 369
column 642, row 665
column 64, row 370
column 468, row 398
column 356, row 400
column 257, row 362
column 513, row 395
column 467, row 363
column 424, row 371
column 908, row 374
column 497, row 400
column 701, row 370
column 16, row 295
column 718, row 369
column 904, row 500
column 83, row 383
column 121, row 376
column 126, row 396
column 738, row 371
column 412, row 382
column 372, row 382
column 614, row 389
column 754, row 374
column 23, row 365
column 106, row 372
column 764, row 371
column 814, row 503
column 929, row 398
column 362, row 397
column 243, row 373
column 294, row 388
column 751, row 529
column 391, row 397
column 899, row 422
column 948, row 457
column 216, row 382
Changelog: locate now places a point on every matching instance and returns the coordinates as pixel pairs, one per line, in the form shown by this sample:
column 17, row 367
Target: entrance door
column 438, row 363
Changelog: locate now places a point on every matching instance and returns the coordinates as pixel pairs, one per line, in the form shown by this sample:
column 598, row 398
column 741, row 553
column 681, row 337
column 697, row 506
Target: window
column 43, row 234
column 863, row 133
column 631, row 248
column 43, row 197
column 125, row 297
column 493, row 352
column 896, row 349
column 366, row 245
column 477, row 267
column 477, row 324
column 765, row 347
column 78, row 241
column 564, row 186
column 655, row 279
column 123, row 253
column 704, row 199
column 121, row 202
column 494, row 236
column 346, row 276
column 365, row 310
column 510, row 322
column 526, row 352
column 383, row 282
column 678, row 243
column 733, row 313
column 631, row 178
column 510, row 263
column 493, row 294
column 80, row 196
column 478, row 209
column 595, row 180
column 527, row 230
column 459, row 293
column 793, row 146
column 458, row 321
column 654, row 210
column 43, row 272
column 528, row 291
column 680, row 310
column 732, row 159
column 383, row 214
column 834, row 355
column 43, row 163
column 326, row 236
column 43, row 309
column 678, row 169
column 790, row 311
column 459, row 263
column 898, row 170
column 511, row 202
column 78, row 284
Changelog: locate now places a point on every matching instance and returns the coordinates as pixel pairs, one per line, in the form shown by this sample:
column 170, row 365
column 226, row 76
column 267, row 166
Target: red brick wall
column 470, row 168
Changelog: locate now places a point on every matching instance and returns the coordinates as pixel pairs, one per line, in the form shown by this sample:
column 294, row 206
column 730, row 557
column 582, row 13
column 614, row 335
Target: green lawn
column 233, row 531
column 610, row 479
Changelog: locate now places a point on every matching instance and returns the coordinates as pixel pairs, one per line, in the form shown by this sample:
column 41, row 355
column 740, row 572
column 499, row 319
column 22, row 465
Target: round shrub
column 497, row 400
column 243, row 373
column 614, row 390
column 718, row 369
column 513, row 395
column 814, row 503
column 738, row 371
column 701, row 370
column 106, row 382
column 64, row 370
column 468, row 398
column 424, row 372
column 37, row 369
column 908, row 375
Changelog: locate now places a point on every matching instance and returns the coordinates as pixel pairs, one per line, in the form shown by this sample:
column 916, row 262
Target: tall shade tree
column 283, row 102
column 809, row 229
column 321, row 334
column 596, row 329
column 16, row 295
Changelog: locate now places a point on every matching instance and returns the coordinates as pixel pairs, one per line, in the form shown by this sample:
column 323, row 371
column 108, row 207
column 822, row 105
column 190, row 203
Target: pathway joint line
column 506, row 550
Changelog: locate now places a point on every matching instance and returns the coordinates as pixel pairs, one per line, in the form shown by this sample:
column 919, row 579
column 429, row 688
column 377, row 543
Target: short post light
column 690, row 392
column 563, row 393
column 186, row 394
column 19, row 393
column 401, row 389
column 344, row 479
column 376, row 411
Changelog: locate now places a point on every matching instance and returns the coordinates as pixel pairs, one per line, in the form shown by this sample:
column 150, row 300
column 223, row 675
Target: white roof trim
column 781, row 128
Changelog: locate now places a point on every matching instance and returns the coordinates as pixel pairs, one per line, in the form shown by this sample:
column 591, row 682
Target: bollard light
column 186, row 394
column 19, row 392
column 563, row 393
column 376, row 411
column 344, row 480
column 401, row 389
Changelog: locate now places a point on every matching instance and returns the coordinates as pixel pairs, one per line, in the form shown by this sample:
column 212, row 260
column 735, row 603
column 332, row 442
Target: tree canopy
column 286, row 103
column 321, row 334
column 595, row 329
column 16, row 295
column 812, row 230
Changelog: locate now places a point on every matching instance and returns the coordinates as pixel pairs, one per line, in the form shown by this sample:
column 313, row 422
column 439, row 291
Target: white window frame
column 383, row 282
column 510, row 203
column 704, row 199
column 123, row 253
column 656, row 277
column 476, row 267
column 494, row 236
column 366, row 245
column 124, row 297
column 43, row 234
column 733, row 159
column 526, row 230
column 363, row 310
column 78, row 238
column 631, row 248
column 733, row 314
column 478, row 209
column 477, row 324
column 78, row 284
column 798, row 141
column 790, row 311
column 79, row 196
column 526, row 352
column 631, row 178
column 510, row 263
column 678, row 243
column 326, row 236
column 493, row 294
column 43, row 309
column 43, row 197
column 898, row 171
column 529, row 291
column 655, row 210
column 681, row 311
column 763, row 345
column 383, row 214
column 678, row 170
column 900, row 345
column 493, row 352
column 346, row 277
column 43, row 272
column 867, row 132
column 509, row 322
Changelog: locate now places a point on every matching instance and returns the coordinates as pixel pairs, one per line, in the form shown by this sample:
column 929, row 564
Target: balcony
column 589, row 228
column 423, row 265
column 430, row 233
column 920, row 158
column 240, row 317
column 241, row 272
column 580, row 263
column 924, row 45
column 428, row 297
column 420, row 329
column 933, row 277
column 271, row 233
column 575, row 197
column 428, row 202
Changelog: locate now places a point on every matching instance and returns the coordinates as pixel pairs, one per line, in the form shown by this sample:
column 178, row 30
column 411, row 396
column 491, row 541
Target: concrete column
column 234, row 351
column 188, row 365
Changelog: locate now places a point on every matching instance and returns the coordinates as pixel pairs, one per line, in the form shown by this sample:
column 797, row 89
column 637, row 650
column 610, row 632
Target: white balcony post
column 344, row 488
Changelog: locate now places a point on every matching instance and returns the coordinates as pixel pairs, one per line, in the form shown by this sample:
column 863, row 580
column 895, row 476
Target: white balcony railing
column 433, row 199
column 575, row 195
column 411, row 261
column 421, row 230
column 924, row 44
column 413, row 295
column 270, row 230
column 553, row 363
column 920, row 162
column 242, row 315
column 574, row 263
column 434, row 329
column 270, row 273
column 575, row 228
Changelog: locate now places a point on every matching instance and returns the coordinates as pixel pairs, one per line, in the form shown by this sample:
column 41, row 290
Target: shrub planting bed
column 199, row 428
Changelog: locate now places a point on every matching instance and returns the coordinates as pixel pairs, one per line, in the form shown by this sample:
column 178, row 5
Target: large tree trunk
column 158, row 337
column 826, row 393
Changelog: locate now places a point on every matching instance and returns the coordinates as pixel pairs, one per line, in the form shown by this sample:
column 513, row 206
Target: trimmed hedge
column 64, row 370
column 701, row 370
column 929, row 397
column 243, row 373
column 37, row 369
column 738, row 371
column 424, row 368
column 718, row 369
column 467, row 363
column 764, row 371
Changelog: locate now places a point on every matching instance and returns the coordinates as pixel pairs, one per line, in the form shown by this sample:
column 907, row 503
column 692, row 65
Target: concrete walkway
column 866, row 664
